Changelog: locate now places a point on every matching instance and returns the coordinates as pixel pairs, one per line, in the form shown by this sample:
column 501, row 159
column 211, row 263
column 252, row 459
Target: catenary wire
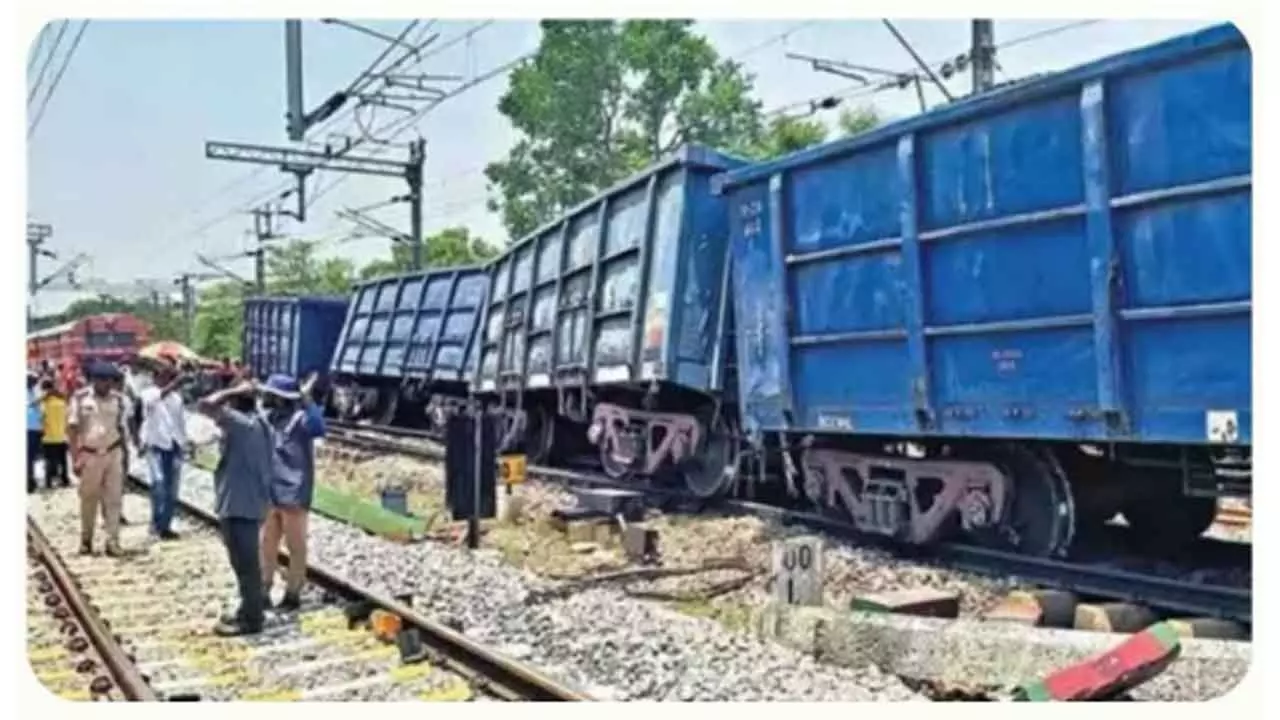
column 53, row 86
column 48, row 59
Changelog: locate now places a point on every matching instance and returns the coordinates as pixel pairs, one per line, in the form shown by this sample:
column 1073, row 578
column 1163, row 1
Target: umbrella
column 167, row 350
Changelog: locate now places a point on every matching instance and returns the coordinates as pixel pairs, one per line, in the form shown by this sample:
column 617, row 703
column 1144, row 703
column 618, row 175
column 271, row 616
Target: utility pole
column 413, row 174
column 37, row 235
column 983, row 52
column 188, row 305
column 297, row 161
column 262, row 231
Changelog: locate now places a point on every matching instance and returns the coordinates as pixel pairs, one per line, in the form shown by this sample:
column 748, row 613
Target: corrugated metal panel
column 418, row 325
column 624, row 288
column 291, row 335
column 1067, row 258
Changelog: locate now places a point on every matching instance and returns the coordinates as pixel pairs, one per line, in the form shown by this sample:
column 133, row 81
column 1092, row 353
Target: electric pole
column 37, row 234
column 188, row 305
column 262, row 231
column 413, row 174
column 983, row 52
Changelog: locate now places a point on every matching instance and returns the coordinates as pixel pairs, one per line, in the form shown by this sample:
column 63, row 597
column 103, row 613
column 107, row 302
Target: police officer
column 96, row 435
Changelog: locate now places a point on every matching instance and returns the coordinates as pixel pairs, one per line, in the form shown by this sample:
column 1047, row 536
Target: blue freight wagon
column 404, row 347
column 291, row 335
column 1045, row 289
column 615, row 308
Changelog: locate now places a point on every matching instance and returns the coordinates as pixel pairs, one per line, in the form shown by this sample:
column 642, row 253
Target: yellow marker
column 454, row 692
column 230, row 678
column 272, row 696
column 406, row 673
column 54, row 676
column 44, row 654
column 511, row 469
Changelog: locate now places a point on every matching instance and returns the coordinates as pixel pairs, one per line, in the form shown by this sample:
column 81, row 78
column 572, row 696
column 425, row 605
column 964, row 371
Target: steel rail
column 1084, row 578
column 485, row 669
column 121, row 667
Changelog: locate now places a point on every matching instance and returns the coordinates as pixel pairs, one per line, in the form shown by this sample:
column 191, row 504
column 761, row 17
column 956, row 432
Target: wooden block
column 1208, row 628
column 1112, row 617
column 1037, row 608
column 925, row 602
column 640, row 543
column 1135, row 661
column 589, row 531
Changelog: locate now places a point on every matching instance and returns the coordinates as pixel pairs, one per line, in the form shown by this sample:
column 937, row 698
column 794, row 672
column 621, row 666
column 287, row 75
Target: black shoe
column 170, row 535
column 290, row 602
column 86, row 548
column 123, row 522
column 235, row 628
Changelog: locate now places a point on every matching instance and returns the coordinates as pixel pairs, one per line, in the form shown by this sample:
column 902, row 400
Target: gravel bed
column 686, row 541
column 610, row 645
column 164, row 598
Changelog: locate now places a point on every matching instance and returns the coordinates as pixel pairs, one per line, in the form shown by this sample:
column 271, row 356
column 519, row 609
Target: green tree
column 219, row 320
column 855, row 121
column 602, row 99
column 295, row 269
column 449, row 247
column 785, row 134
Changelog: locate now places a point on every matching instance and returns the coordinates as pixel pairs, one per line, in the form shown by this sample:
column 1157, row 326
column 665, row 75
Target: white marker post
column 797, row 571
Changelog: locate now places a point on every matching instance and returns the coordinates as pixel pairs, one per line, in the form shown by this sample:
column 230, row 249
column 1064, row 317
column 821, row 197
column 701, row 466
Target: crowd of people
column 263, row 483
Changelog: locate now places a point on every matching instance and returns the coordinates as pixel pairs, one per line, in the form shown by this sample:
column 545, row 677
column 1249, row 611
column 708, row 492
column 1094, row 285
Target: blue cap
column 282, row 386
column 99, row 370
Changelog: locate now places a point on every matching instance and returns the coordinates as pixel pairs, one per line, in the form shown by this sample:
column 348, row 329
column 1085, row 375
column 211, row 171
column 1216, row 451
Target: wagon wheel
column 705, row 474
column 539, row 436
column 1040, row 516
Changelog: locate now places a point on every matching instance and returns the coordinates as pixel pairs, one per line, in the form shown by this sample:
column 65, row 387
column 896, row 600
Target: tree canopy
column 601, row 99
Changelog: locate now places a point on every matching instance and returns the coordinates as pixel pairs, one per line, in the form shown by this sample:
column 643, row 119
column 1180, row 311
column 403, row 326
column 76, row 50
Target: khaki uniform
column 101, row 422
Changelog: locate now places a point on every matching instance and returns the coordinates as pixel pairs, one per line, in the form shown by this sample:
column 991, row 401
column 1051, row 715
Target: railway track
column 1090, row 579
column 147, row 619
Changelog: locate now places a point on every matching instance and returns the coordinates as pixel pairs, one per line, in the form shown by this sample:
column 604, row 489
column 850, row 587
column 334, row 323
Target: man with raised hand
column 240, row 483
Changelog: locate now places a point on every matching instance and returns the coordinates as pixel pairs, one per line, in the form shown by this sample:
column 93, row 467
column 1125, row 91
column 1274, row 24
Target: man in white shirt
column 164, row 440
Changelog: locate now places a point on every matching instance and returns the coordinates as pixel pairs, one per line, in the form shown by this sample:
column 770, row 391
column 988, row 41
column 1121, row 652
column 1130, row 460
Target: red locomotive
column 114, row 337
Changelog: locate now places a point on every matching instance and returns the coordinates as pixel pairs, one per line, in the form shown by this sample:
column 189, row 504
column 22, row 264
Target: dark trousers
column 241, row 538
column 33, row 453
column 164, row 466
column 55, row 464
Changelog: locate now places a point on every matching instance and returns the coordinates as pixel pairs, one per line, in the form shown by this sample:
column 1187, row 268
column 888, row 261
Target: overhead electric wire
column 48, row 59
column 851, row 92
column 36, row 47
column 53, row 87
column 347, row 113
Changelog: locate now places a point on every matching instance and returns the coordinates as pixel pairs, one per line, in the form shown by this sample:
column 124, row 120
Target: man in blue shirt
column 35, row 430
column 240, row 483
column 297, row 422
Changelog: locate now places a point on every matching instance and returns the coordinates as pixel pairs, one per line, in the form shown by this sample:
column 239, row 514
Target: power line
column 348, row 113
column 53, row 87
column 35, row 50
column 859, row 90
column 48, row 59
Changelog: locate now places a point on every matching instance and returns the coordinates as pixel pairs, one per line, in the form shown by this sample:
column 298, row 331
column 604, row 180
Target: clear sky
column 117, row 163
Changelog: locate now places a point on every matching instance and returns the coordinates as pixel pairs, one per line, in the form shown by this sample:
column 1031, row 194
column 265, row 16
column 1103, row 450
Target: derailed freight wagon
column 405, row 347
column 1045, row 290
column 606, row 326
column 291, row 335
